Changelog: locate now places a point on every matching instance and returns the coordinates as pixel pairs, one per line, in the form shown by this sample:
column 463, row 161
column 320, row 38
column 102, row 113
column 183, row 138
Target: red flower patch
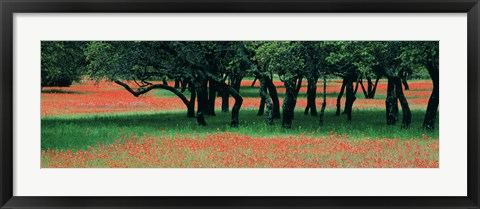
column 241, row 151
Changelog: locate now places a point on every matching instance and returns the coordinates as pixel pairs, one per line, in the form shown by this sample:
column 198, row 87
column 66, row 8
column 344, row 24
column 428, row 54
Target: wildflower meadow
column 239, row 105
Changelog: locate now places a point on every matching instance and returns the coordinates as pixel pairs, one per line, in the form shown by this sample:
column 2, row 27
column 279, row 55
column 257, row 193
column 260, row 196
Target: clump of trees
column 62, row 62
column 206, row 70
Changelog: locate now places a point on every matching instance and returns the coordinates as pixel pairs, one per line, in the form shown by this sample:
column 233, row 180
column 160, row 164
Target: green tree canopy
column 62, row 62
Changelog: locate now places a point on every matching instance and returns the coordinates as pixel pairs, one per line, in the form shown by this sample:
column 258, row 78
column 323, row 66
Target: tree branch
column 153, row 86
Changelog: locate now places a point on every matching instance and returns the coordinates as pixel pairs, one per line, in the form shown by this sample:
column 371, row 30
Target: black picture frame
column 9, row 7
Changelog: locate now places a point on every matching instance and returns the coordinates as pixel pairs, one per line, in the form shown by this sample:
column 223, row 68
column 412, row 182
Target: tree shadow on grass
column 59, row 91
column 83, row 131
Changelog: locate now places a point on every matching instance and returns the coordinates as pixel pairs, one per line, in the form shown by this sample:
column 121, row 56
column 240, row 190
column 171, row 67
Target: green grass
column 80, row 131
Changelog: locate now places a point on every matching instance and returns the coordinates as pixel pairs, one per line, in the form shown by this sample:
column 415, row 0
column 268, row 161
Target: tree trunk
column 311, row 96
column 324, row 103
column 288, row 103
column 236, row 107
column 237, row 82
column 272, row 90
column 254, row 80
column 404, row 80
column 372, row 93
column 432, row 107
column 340, row 95
column 184, row 85
column 356, row 87
column 212, row 95
column 202, row 101
column 297, row 90
column 407, row 116
column 350, row 99
column 191, row 105
column 369, row 87
column 261, row 108
column 405, row 84
column 225, row 101
column 234, row 93
column 365, row 93
column 177, row 83
column 266, row 100
column 391, row 104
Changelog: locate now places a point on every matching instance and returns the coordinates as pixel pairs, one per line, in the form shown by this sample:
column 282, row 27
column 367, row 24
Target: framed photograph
column 239, row 104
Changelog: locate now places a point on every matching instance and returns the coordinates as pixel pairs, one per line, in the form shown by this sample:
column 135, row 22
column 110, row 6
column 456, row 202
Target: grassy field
column 81, row 131
column 104, row 126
